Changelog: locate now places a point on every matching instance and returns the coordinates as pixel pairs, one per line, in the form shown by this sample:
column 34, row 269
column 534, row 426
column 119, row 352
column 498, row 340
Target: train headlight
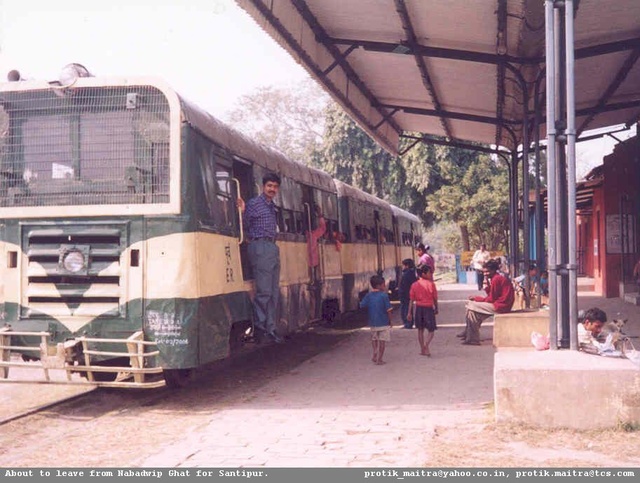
column 71, row 73
column 73, row 261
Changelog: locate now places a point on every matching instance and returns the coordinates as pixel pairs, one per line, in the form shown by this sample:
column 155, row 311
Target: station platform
column 544, row 388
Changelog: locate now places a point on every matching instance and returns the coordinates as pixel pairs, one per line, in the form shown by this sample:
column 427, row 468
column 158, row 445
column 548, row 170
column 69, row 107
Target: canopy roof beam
column 338, row 56
column 290, row 40
column 461, row 116
column 403, row 48
column 613, row 87
column 412, row 41
column 456, row 144
column 501, row 49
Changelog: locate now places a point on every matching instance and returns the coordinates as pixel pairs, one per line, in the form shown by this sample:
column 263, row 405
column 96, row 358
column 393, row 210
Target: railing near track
column 137, row 374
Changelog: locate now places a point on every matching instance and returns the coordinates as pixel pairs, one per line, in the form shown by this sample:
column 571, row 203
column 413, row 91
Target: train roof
column 248, row 149
column 399, row 212
column 229, row 138
column 350, row 192
column 199, row 119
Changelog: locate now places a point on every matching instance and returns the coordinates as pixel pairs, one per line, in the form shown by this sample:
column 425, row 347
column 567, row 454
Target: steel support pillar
column 514, row 247
column 539, row 211
column 561, row 172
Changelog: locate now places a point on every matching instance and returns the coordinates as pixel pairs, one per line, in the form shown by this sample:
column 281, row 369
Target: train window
column 207, row 175
column 330, row 230
column 225, row 208
column 331, row 206
column 85, row 149
column 288, row 222
column 300, row 223
column 389, row 236
column 328, row 202
column 279, row 220
column 290, row 194
column 258, row 173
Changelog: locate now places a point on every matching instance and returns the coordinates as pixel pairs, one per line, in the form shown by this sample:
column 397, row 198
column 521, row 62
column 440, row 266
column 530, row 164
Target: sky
column 210, row 51
column 590, row 154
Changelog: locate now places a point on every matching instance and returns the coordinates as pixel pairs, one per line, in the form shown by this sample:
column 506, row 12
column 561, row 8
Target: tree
column 350, row 155
column 289, row 119
column 437, row 183
column 474, row 195
column 444, row 236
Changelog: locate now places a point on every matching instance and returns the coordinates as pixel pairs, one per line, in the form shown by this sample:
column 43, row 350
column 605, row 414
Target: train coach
column 124, row 260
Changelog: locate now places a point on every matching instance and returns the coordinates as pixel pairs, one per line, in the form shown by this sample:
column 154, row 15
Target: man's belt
column 266, row 238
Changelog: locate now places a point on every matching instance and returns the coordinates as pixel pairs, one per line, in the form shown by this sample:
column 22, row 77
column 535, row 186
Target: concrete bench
column 565, row 389
column 514, row 329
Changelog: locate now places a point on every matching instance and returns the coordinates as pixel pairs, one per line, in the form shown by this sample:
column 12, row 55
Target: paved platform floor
column 340, row 410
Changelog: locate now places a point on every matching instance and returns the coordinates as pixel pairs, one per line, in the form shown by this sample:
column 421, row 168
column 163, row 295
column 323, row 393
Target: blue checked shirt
column 260, row 218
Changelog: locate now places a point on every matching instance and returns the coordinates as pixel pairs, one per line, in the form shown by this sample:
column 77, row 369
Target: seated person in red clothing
column 499, row 299
column 424, row 295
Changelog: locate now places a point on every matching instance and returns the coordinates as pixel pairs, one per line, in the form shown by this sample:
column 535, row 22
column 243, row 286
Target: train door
column 397, row 250
column 243, row 178
column 397, row 236
column 379, row 241
column 313, row 253
column 329, row 259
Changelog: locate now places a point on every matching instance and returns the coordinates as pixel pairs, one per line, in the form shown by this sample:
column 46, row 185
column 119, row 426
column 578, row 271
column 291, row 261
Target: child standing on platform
column 379, row 306
column 407, row 279
column 424, row 295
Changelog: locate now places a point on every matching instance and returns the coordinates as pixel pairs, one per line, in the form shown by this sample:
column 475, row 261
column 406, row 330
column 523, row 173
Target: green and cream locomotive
column 124, row 262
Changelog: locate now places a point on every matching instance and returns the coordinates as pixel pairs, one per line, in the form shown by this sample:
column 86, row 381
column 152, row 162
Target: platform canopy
column 463, row 70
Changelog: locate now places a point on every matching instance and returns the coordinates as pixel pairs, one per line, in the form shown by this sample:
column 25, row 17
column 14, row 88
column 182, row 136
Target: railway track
column 134, row 423
column 19, row 413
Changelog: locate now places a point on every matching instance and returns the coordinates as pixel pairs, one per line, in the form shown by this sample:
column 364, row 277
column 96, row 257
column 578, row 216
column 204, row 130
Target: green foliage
column 444, row 237
column 350, row 155
column 290, row 119
column 438, row 183
column 474, row 194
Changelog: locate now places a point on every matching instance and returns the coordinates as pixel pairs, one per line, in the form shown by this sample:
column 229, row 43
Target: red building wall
column 620, row 192
column 597, row 241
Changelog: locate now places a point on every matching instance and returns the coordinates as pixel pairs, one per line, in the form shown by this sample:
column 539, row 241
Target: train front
column 83, row 163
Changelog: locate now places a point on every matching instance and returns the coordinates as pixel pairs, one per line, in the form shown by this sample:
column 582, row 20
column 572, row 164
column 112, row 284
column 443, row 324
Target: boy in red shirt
column 424, row 295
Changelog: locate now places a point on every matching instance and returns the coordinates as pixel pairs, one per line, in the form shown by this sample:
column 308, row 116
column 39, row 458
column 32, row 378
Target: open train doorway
column 311, row 211
column 243, row 174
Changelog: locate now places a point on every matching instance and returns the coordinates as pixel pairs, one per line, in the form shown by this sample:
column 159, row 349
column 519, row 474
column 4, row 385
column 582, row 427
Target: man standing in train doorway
column 264, row 256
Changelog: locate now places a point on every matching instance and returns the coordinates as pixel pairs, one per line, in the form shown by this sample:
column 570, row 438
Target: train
column 124, row 255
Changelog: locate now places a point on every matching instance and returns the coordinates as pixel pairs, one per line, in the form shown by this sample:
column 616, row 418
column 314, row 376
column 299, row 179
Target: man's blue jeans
column 264, row 256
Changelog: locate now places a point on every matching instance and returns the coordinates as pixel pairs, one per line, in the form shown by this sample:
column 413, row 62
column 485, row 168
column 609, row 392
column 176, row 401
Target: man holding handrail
column 261, row 224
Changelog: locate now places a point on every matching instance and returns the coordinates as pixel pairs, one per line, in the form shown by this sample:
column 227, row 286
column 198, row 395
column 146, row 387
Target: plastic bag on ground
column 539, row 341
